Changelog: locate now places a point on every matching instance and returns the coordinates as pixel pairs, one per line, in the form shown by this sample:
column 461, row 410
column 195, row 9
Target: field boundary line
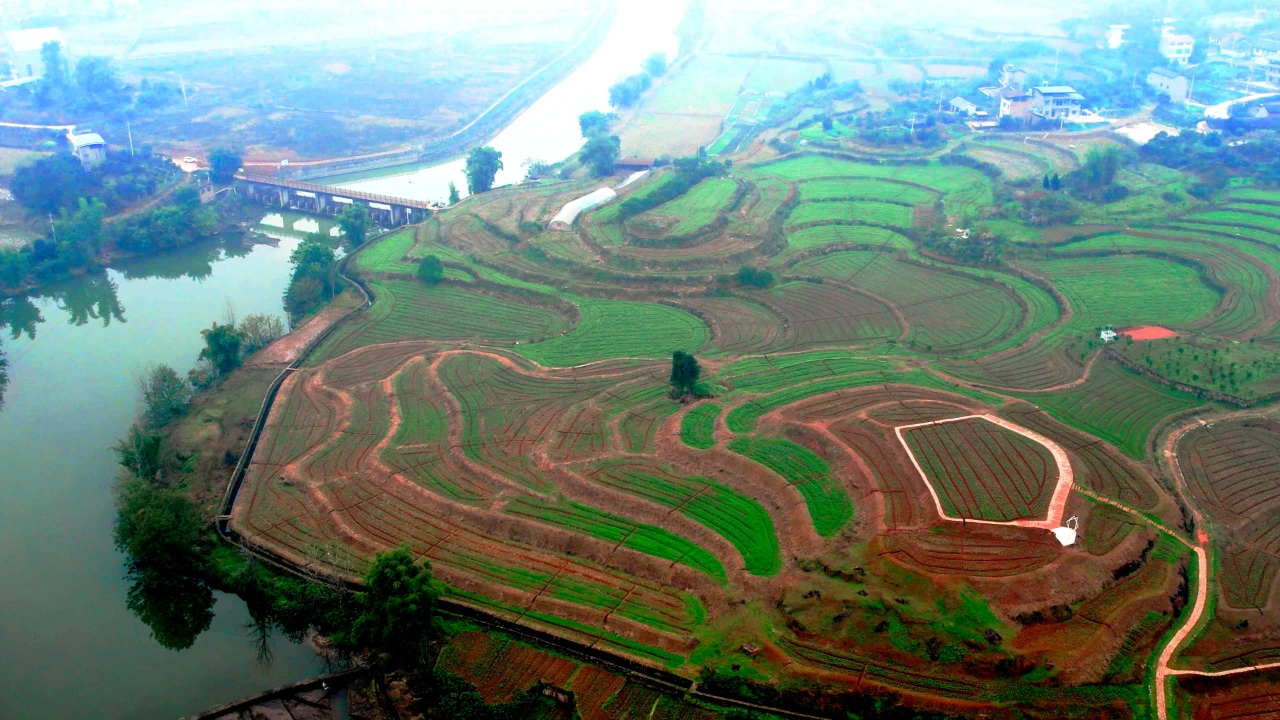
column 1058, row 501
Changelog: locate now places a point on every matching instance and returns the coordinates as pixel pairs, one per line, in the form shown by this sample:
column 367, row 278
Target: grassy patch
column 697, row 427
column 829, row 505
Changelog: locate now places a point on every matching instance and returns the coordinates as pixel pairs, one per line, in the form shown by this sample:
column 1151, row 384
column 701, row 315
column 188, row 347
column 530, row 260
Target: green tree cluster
column 751, row 276
column 224, row 163
column 601, row 150
column 684, row 373
column 483, row 164
column 314, row 277
column 160, row 531
column 431, row 270
column 355, row 223
column 222, row 344
column 165, row 395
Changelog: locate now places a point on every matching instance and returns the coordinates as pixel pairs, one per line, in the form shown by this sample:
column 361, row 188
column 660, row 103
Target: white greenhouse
column 564, row 219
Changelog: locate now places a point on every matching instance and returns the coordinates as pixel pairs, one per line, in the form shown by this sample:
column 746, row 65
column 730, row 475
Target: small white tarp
column 564, row 219
column 633, row 177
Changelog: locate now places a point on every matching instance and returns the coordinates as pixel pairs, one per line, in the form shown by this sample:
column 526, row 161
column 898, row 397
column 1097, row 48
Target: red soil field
column 1147, row 332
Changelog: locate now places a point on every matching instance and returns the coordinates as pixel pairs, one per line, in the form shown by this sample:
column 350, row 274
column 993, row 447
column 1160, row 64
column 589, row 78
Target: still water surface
column 68, row 646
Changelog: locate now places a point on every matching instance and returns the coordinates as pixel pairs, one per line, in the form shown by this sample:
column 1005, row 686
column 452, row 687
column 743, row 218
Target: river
column 70, row 647
column 548, row 130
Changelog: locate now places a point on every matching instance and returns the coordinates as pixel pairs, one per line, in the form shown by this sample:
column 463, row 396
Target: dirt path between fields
column 285, row 350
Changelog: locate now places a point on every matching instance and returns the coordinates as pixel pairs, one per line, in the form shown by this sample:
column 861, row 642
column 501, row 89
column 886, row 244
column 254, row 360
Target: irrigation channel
column 71, row 647
column 548, row 130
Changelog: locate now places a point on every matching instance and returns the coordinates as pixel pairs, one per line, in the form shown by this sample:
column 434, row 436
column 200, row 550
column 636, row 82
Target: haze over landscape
column 675, row 360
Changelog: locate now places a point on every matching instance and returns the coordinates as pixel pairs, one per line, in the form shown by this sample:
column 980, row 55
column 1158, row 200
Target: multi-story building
column 1052, row 102
column 1177, row 48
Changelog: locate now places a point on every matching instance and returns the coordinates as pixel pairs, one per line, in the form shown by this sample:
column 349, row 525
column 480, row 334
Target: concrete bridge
column 330, row 200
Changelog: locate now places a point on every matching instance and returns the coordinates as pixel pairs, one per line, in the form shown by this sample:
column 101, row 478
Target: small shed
column 960, row 106
column 633, row 164
column 89, row 148
column 564, row 219
column 1108, row 335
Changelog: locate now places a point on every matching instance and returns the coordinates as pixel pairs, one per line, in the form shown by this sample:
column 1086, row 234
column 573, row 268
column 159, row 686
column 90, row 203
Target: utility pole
column 129, row 130
column 53, row 229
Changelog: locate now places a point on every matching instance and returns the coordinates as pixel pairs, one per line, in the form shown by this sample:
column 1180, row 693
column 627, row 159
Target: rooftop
column 85, row 140
column 33, row 39
column 1055, row 90
column 1165, row 72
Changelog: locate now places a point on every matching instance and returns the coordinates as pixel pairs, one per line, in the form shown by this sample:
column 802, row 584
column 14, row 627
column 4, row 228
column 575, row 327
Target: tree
column 483, row 164
column 755, row 277
column 160, row 532
column 684, row 373
column 355, row 223
column 656, row 64
column 397, row 613
column 593, row 122
column 1045, row 183
column 454, row 196
column 52, row 87
column 431, row 270
column 224, row 163
column 601, row 153
column 312, row 284
column 260, row 330
column 50, row 184
column 627, row 91
column 1055, row 183
column 222, row 347
column 98, row 85
column 165, row 395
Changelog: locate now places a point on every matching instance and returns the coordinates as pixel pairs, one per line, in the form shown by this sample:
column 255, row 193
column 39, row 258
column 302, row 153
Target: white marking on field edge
column 1057, row 504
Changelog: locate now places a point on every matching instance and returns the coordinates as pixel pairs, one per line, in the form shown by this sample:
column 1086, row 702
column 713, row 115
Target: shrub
column 431, row 270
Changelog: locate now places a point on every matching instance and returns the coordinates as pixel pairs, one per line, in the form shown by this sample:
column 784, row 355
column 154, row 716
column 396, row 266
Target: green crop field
column 407, row 310
column 820, row 235
column 946, row 312
column 829, row 505
column 861, row 211
column 867, row 190
column 697, row 427
column 641, row 538
column 982, row 471
column 388, row 254
column 1098, row 296
column 734, row 516
column 1116, row 405
column 694, row 210
column 613, row 328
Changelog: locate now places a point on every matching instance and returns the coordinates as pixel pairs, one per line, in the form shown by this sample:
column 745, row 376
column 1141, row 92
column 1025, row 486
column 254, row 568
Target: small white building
column 564, row 219
column 963, row 107
column 1108, row 335
column 1115, row 36
column 1168, row 82
column 89, row 148
column 1176, row 48
column 25, row 47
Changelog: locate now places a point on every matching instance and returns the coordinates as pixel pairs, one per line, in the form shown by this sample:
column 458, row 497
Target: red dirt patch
column 1148, row 332
column 286, row 349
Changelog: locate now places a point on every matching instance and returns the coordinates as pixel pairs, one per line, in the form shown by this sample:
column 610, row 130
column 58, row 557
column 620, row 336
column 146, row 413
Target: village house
column 25, row 47
column 1168, row 82
column 962, row 107
column 1015, row 104
column 89, row 148
column 1012, row 76
column 1176, row 48
column 1052, row 102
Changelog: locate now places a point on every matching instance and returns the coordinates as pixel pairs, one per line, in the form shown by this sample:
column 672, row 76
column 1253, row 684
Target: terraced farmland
column 515, row 426
column 982, row 471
